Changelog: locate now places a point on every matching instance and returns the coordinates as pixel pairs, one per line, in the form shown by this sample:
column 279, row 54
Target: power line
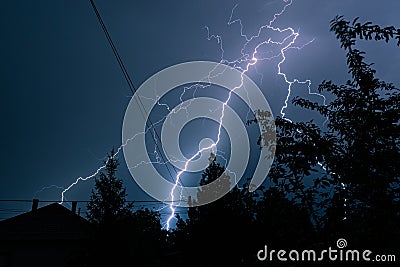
column 48, row 201
column 131, row 86
column 13, row 207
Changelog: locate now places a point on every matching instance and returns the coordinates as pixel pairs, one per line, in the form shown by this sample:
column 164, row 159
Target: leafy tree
column 281, row 222
column 213, row 233
column 108, row 200
column 109, row 212
column 346, row 173
column 145, row 238
column 121, row 235
column 230, row 231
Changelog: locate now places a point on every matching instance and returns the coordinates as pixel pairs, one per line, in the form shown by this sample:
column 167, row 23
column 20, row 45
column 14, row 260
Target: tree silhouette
column 346, row 173
column 213, row 233
column 230, row 231
column 109, row 212
column 338, row 180
column 281, row 222
column 122, row 234
column 108, row 200
column 145, row 239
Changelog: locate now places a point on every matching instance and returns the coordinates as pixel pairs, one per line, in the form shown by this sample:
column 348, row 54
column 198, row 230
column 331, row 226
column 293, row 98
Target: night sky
column 63, row 96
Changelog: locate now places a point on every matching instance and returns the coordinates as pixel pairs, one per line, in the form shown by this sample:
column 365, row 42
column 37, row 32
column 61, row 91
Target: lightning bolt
column 177, row 180
column 243, row 63
column 250, row 60
column 46, row 188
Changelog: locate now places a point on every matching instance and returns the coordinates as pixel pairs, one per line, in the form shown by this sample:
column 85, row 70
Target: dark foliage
column 122, row 235
column 108, row 201
column 338, row 180
column 346, row 173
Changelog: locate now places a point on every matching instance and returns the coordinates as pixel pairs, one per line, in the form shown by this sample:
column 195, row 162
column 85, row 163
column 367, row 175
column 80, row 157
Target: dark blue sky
column 63, row 96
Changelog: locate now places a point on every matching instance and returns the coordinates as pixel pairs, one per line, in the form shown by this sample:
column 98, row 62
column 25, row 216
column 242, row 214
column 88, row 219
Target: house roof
column 51, row 222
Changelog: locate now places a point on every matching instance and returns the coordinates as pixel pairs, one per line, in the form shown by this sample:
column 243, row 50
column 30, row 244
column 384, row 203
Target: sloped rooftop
column 51, row 222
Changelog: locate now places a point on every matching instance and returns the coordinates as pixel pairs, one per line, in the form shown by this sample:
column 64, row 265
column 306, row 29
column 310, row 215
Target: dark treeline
column 339, row 180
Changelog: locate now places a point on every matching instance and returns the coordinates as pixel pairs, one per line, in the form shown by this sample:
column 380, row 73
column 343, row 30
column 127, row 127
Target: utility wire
column 47, row 201
column 132, row 87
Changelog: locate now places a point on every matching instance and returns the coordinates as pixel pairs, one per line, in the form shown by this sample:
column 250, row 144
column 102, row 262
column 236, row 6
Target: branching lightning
column 243, row 63
column 35, row 195
column 205, row 148
column 250, row 60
